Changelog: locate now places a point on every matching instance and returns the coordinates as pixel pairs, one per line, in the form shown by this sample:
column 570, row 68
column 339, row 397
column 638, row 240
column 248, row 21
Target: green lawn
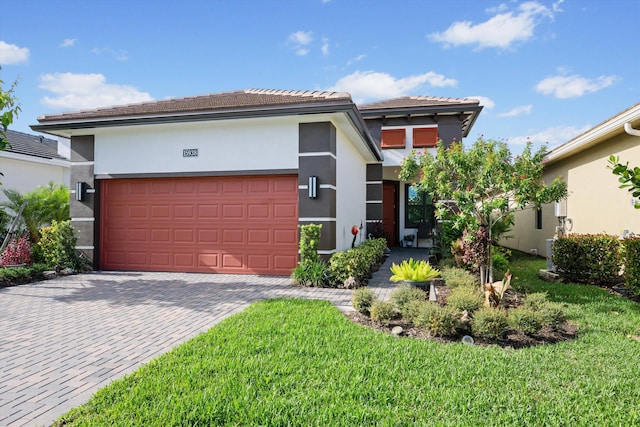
column 295, row 362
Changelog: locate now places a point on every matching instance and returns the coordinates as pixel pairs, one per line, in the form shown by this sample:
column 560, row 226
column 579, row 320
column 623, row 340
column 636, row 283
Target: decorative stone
column 397, row 330
column 468, row 340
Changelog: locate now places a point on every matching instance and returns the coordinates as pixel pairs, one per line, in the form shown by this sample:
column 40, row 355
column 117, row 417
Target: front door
column 390, row 212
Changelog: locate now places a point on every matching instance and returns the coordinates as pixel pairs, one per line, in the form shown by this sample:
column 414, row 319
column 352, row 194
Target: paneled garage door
column 204, row 224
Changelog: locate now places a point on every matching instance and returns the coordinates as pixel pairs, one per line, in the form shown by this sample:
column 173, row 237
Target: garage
column 221, row 224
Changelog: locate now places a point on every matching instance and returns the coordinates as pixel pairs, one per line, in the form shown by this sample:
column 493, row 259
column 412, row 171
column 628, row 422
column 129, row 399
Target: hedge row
column 632, row 264
column 596, row 259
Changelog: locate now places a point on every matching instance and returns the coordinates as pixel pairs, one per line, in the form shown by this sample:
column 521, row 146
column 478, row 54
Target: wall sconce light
column 79, row 191
column 313, row 187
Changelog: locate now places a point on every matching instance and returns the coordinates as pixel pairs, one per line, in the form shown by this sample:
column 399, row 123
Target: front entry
column 390, row 212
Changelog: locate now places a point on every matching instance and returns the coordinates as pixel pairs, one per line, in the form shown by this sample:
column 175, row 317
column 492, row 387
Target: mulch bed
column 564, row 332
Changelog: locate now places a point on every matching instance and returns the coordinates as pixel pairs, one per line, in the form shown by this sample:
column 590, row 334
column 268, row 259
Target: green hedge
column 632, row 264
column 356, row 262
column 588, row 258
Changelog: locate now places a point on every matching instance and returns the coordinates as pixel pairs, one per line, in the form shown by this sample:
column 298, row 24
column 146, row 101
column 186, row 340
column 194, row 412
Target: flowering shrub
column 17, row 252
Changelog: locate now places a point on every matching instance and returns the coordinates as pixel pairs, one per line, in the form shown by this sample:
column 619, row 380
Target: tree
column 487, row 185
column 628, row 177
column 8, row 111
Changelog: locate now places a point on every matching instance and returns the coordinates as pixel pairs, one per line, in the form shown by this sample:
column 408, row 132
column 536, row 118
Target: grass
column 300, row 362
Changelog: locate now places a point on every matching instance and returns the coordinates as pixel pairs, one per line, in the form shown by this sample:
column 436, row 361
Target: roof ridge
column 301, row 93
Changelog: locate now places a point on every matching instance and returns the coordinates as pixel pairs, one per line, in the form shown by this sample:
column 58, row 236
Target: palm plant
column 44, row 204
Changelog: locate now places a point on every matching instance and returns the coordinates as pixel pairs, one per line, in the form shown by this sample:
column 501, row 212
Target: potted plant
column 408, row 240
column 418, row 273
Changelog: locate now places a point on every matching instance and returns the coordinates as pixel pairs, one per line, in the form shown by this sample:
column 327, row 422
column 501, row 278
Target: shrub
column 535, row 300
column 310, row 273
column 374, row 249
column 552, row 314
column 525, row 319
column 465, row 298
column 455, row 277
column 632, row 264
column 17, row 275
column 404, row 294
column 588, row 258
column 362, row 300
column 18, row 252
column 414, row 271
column 437, row 320
column 413, row 308
column 383, row 312
column 57, row 245
column 489, row 323
column 349, row 263
column 309, row 240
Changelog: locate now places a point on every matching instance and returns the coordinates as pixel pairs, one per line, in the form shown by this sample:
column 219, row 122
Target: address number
column 190, row 152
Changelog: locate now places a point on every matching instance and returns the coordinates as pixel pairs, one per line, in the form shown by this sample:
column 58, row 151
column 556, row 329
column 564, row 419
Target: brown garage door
column 204, row 224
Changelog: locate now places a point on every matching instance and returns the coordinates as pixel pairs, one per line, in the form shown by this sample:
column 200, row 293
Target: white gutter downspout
column 630, row 130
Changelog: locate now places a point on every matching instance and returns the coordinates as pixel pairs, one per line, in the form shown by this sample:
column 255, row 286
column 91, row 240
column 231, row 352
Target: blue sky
column 544, row 70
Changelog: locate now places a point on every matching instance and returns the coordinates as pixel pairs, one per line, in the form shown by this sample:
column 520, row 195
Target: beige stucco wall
column 595, row 203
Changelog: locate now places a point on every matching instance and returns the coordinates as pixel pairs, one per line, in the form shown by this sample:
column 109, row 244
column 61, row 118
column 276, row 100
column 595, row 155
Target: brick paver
column 63, row 339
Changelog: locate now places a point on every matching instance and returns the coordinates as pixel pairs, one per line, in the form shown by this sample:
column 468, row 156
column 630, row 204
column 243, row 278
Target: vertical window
column 393, row 138
column 538, row 219
column 418, row 209
column 425, row 137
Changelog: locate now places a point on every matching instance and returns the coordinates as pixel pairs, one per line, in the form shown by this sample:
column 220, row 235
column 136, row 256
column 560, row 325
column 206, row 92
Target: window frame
column 425, row 130
column 426, row 206
column 394, row 134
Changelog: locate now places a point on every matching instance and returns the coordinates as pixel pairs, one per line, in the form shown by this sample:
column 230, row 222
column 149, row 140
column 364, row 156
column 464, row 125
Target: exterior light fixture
column 79, row 191
column 313, row 187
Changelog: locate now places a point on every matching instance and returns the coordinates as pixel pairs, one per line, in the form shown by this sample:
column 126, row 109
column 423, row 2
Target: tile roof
column 417, row 102
column 32, row 145
column 241, row 99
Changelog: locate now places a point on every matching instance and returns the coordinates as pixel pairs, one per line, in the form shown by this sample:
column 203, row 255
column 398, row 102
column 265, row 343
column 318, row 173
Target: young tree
column 8, row 111
column 486, row 183
column 627, row 177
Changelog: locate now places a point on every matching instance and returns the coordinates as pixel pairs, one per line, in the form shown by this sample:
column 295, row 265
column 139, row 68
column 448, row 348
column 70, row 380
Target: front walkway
column 63, row 339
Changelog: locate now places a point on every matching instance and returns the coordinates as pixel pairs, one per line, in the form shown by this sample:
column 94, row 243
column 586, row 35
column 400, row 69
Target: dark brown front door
column 390, row 212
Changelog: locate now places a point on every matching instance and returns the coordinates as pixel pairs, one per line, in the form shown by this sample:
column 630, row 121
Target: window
column 425, row 137
column 418, row 209
column 393, row 138
column 538, row 218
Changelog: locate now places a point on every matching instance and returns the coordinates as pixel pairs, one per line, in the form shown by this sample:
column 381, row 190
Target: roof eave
column 64, row 128
column 611, row 127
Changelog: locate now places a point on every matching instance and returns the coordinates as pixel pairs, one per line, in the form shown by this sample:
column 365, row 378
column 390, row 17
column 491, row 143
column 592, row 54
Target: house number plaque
column 190, row 152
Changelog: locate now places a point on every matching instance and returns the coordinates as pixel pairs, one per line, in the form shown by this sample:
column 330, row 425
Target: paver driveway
column 63, row 339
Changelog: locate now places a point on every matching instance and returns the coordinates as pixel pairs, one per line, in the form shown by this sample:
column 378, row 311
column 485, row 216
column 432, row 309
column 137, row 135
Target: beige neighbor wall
column 595, row 203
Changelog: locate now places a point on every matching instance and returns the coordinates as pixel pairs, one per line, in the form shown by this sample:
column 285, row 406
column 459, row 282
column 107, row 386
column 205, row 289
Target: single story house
column 221, row 182
column 30, row 161
column 594, row 204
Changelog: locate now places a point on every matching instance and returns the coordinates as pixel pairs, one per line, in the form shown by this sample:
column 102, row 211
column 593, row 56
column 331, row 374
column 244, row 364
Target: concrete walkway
column 63, row 339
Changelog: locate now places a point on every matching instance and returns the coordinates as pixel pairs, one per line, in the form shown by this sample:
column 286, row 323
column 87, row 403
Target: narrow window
column 538, row 218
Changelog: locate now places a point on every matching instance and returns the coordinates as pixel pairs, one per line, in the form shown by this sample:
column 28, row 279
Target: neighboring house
column 31, row 161
column 221, row 182
column 594, row 204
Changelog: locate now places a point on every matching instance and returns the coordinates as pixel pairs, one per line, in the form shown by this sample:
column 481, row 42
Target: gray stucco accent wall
column 449, row 127
column 83, row 218
column 317, row 157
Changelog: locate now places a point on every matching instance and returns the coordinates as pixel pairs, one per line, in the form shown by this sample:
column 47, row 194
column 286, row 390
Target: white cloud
column 573, row 86
column 502, row 30
column 85, row 91
column 356, row 59
column 325, row 46
column 68, row 43
column 518, row 111
column 553, row 136
column 374, row 85
column 484, row 101
column 119, row 55
column 12, row 54
column 300, row 40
